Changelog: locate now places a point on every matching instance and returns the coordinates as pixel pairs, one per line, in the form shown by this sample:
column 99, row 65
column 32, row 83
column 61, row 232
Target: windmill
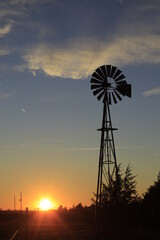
column 109, row 85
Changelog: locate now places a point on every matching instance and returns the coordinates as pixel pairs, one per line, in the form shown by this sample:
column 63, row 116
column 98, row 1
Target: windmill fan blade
column 117, row 73
column 100, row 95
column 93, row 80
column 114, row 99
column 122, row 82
column 103, row 68
column 117, row 95
column 119, row 78
column 113, row 71
column 109, row 98
column 108, row 70
column 98, row 70
column 97, row 76
column 125, row 90
column 95, row 86
column 95, row 92
column 102, row 73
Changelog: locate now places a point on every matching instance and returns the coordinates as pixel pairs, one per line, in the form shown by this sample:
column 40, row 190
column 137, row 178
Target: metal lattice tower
column 108, row 84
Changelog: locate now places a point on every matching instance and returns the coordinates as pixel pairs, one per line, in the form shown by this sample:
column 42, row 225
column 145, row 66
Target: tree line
column 124, row 214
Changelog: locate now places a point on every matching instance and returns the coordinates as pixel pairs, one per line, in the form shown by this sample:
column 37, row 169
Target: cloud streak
column 5, row 96
column 84, row 149
column 24, row 2
column 79, row 57
column 152, row 92
column 6, row 29
column 23, row 110
column 4, row 52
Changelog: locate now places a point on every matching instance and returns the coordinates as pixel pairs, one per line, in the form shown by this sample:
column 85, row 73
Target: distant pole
column 26, row 224
column 14, row 203
column 20, row 201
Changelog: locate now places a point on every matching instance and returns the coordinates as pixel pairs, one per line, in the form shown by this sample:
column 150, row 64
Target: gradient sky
column 49, row 145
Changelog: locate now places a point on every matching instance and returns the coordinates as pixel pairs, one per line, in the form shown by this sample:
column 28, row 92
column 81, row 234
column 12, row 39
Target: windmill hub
column 106, row 84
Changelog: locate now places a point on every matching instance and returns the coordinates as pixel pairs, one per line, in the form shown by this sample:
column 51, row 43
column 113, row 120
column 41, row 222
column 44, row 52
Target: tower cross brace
column 107, row 168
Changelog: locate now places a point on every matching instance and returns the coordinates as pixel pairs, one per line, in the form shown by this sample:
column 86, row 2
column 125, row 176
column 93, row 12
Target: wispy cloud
column 12, row 8
column 121, row 1
column 20, row 68
column 152, row 92
column 6, row 11
column 4, row 52
column 84, row 149
column 23, row 110
column 133, row 147
column 5, row 96
column 6, row 29
column 15, row 2
column 79, row 57
column 149, row 6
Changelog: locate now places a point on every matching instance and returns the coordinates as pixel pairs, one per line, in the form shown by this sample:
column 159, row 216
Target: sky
column 49, row 144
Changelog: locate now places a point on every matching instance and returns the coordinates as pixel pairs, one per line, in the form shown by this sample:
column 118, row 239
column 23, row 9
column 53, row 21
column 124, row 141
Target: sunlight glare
column 45, row 205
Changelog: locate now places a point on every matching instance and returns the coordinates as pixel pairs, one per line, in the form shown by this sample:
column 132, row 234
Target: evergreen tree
column 121, row 190
column 151, row 200
column 112, row 193
column 129, row 187
column 117, row 188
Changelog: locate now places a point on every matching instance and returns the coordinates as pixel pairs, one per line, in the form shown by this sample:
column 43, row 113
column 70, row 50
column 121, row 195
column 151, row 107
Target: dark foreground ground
column 67, row 226
column 44, row 226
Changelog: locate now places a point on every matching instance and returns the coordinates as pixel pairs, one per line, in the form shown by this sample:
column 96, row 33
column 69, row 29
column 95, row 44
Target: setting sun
column 45, row 205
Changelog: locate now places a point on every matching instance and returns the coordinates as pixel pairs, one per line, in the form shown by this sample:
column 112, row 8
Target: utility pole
column 20, row 201
column 14, row 203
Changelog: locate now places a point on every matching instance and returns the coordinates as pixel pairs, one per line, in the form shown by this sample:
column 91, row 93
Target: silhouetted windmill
column 109, row 85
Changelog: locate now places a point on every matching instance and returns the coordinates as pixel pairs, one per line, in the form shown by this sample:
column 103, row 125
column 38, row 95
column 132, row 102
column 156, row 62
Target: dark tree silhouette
column 129, row 187
column 117, row 191
column 122, row 191
column 119, row 200
column 151, row 203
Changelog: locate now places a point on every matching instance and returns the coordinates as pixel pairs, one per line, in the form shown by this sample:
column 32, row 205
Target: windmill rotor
column 108, row 83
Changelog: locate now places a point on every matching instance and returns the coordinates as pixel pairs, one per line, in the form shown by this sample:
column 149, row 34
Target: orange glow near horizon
column 46, row 204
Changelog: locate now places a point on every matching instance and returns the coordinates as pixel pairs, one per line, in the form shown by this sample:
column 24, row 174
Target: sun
column 45, row 205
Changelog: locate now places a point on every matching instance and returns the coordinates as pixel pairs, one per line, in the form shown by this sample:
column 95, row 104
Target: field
column 54, row 225
column 44, row 226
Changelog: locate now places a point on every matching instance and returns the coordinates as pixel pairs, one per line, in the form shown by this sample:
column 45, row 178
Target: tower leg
column 107, row 170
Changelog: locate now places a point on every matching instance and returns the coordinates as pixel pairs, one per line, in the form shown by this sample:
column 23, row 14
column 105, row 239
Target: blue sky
column 49, row 49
